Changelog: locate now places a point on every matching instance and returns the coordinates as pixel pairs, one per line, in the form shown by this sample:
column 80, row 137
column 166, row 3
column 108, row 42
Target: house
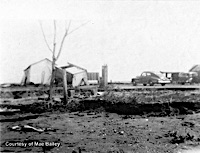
column 41, row 71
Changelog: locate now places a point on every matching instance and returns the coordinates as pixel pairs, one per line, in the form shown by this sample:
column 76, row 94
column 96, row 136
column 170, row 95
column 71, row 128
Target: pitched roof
column 74, row 70
column 69, row 65
column 46, row 59
column 195, row 68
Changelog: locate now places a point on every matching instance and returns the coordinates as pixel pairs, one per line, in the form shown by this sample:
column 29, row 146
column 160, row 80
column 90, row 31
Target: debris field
column 145, row 121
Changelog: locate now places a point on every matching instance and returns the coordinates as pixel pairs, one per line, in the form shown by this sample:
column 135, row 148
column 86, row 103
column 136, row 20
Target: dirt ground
column 101, row 130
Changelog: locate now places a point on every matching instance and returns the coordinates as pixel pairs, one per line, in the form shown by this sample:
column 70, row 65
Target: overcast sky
column 128, row 36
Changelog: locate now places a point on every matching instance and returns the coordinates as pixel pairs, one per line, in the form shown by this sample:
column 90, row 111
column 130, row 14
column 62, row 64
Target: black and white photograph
column 104, row 76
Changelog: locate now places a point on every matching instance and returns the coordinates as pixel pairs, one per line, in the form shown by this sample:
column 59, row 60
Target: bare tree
column 53, row 51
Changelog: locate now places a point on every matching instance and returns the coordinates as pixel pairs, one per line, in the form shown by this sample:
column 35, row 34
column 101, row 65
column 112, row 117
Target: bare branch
column 62, row 42
column 54, row 40
column 78, row 27
column 66, row 25
column 45, row 37
column 67, row 29
column 67, row 33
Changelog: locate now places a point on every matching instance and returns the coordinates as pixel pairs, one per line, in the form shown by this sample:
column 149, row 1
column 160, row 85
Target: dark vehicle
column 181, row 78
column 150, row 78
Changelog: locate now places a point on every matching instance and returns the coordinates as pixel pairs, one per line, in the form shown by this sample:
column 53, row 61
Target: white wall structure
column 40, row 73
column 79, row 76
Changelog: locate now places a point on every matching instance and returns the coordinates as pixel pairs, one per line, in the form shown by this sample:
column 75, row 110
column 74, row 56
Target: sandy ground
column 104, row 132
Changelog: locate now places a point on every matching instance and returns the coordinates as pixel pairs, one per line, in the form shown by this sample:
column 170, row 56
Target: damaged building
column 39, row 73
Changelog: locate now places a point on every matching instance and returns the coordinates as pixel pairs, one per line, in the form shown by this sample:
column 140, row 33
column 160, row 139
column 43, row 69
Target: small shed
column 76, row 76
column 40, row 73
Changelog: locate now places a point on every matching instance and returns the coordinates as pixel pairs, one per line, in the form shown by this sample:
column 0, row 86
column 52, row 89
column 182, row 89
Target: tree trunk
column 65, row 86
column 52, row 80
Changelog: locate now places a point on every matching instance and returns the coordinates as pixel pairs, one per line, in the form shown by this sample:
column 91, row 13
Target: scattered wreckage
column 28, row 128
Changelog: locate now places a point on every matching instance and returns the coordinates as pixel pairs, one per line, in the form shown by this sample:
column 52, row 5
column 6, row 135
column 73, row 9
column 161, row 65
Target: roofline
column 39, row 62
column 172, row 72
column 151, row 71
column 74, row 73
column 72, row 65
column 194, row 67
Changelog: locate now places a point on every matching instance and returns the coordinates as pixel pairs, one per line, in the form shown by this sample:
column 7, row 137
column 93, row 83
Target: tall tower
column 104, row 75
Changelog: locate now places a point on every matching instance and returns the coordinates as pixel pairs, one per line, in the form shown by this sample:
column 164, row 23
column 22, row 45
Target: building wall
column 93, row 76
column 78, row 78
column 40, row 73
